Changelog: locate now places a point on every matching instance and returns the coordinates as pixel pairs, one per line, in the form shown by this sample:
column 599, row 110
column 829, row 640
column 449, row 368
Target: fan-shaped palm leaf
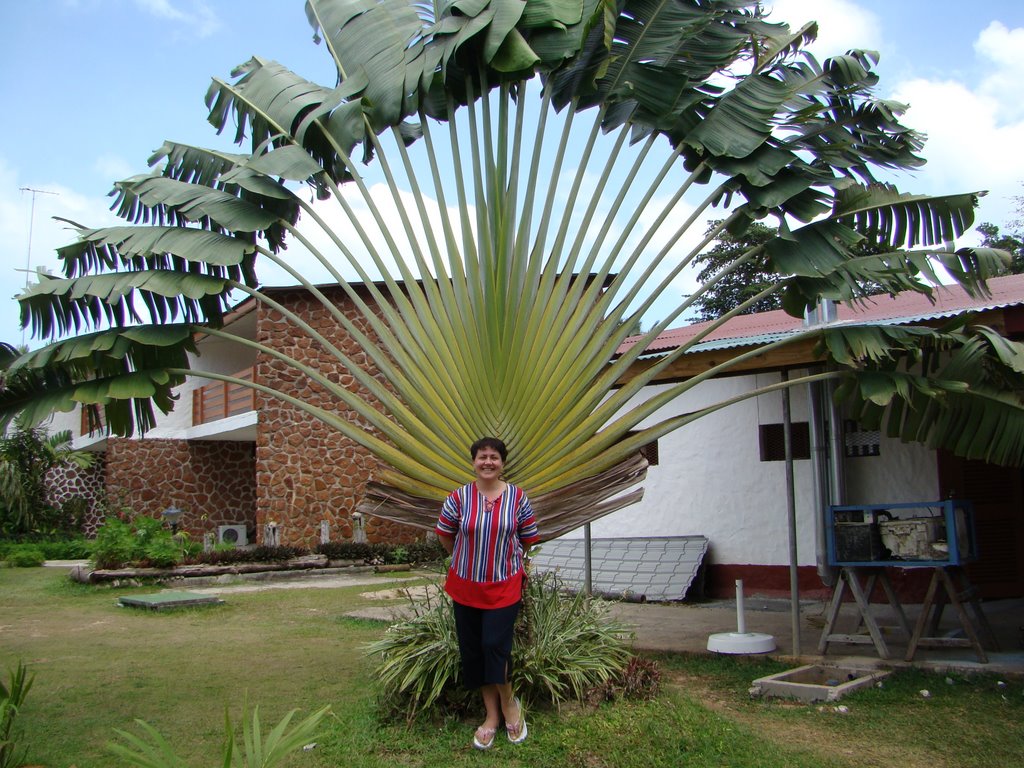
column 572, row 133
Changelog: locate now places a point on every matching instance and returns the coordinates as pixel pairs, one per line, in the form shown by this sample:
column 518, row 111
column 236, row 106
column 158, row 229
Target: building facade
column 235, row 459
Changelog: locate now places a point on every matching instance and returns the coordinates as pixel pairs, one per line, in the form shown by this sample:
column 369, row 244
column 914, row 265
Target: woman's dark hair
column 488, row 442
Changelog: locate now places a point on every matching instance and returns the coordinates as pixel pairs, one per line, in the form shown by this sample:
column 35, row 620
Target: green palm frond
column 959, row 388
column 536, row 156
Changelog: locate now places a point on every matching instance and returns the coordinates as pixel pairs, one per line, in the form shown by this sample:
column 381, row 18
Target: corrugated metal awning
column 659, row 568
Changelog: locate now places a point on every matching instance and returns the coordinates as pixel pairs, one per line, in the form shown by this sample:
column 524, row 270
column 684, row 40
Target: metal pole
column 587, row 581
column 794, row 588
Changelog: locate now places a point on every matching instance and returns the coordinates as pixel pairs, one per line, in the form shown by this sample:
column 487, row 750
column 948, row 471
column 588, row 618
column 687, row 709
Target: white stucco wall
column 217, row 356
column 903, row 472
column 710, row 479
column 58, row 422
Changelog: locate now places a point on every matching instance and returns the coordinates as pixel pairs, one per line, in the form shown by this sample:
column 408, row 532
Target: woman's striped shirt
column 487, row 559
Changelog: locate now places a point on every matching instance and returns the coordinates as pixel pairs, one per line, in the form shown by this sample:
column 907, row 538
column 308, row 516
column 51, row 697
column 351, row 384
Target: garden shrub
column 346, row 550
column 26, row 455
column 564, row 648
column 24, row 556
column 140, row 541
column 66, row 549
column 418, row 552
column 260, row 554
column 641, row 679
column 379, row 553
column 60, row 549
column 115, row 544
column 423, row 552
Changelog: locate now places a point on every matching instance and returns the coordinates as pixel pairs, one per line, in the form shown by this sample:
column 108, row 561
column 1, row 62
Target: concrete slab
column 816, row 682
column 167, row 600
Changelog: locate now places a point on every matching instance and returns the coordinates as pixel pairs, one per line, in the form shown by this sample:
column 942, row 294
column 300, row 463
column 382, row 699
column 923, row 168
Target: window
column 773, row 446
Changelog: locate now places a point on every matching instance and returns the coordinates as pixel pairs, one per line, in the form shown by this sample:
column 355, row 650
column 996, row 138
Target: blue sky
column 93, row 86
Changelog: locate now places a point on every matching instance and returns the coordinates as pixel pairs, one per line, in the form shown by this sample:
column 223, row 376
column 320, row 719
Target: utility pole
column 31, row 223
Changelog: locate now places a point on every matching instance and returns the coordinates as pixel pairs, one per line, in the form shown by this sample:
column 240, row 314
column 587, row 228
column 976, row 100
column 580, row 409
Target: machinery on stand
column 865, row 542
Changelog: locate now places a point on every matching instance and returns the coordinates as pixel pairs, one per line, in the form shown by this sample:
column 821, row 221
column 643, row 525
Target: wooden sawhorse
column 934, row 603
column 849, row 578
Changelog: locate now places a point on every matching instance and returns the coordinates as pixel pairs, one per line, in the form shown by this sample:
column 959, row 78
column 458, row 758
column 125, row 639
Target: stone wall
column 213, row 481
column 308, row 472
column 66, row 482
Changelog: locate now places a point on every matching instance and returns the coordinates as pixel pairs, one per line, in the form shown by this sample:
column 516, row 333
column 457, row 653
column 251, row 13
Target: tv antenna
column 31, row 223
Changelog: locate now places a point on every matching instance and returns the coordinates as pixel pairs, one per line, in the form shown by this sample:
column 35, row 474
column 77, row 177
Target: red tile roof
column 904, row 308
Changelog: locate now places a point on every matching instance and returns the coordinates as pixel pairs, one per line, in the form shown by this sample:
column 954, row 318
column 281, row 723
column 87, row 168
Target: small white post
column 358, row 532
column 271, row 535
column 740, row 641
column 741, row 624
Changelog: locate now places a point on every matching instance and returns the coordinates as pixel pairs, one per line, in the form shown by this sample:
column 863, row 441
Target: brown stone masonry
column 211, row 480
column 306, row 471
column 65, row 482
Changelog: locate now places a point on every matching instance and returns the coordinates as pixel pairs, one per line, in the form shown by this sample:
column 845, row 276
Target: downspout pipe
column 820, row 474
column 826, row 449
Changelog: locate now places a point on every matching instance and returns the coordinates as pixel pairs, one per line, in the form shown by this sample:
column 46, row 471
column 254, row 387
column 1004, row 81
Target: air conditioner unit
column 232, row 534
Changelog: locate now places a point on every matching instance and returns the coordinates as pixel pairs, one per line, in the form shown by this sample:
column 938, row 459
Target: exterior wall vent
column 773, row 441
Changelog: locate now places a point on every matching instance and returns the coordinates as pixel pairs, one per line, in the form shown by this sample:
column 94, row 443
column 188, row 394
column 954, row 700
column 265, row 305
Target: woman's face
column 487, row 464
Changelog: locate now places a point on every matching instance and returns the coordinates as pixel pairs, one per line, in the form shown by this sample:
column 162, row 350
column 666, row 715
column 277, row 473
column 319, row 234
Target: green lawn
column 98, row 667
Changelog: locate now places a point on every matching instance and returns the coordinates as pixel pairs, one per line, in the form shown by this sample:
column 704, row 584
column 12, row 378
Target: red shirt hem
column 484, row 594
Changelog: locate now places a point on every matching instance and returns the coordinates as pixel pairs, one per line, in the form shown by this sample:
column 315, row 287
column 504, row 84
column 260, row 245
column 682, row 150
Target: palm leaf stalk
column 507, row 316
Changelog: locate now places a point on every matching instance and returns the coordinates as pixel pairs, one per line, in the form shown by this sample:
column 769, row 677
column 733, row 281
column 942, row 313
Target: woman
column 486, row 526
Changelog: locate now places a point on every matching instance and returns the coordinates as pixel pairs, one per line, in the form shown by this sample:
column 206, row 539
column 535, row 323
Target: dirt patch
column 810, row 734
column 419, row 593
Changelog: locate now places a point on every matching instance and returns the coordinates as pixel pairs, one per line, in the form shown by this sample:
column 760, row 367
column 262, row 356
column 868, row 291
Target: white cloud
column 114, row 167
column 968, row 148
column 975, row 130
column 842, row 25
column 1003, row 50
column 201, row 18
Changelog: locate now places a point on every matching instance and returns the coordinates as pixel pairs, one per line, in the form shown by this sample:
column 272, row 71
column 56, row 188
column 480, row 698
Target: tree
column 504, row 317
column 1011, row 243
column 736, row 271
column 26, row 458
column 736, row 287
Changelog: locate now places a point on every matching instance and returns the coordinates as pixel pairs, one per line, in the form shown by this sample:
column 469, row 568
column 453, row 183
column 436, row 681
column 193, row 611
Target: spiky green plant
column 418, row 657
column 153, row 750
column 547, row 164
column 564, row 646
column 12, row 698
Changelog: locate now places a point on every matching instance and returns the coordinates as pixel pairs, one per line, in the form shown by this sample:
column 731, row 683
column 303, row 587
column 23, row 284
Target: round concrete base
column 741, row 642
